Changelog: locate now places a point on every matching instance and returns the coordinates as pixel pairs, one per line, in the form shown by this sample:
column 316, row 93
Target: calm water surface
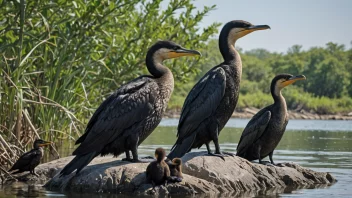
column 320, row 145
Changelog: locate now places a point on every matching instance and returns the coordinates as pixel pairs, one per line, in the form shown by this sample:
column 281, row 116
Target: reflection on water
column 322, row 150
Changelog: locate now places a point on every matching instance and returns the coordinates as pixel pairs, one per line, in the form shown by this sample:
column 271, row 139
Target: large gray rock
column 205, row 175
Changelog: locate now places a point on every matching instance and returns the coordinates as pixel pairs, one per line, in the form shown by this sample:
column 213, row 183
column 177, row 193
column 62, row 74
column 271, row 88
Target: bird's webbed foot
column 228, row 154
column 280, row 164
column 34, row 173
column 222, row 156
column 267, row 163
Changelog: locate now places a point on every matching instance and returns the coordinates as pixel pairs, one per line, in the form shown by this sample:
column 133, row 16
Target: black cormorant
column 31, row 159
column 158, row 172
column 211, row 102
column 127, row 117
column 264, row 131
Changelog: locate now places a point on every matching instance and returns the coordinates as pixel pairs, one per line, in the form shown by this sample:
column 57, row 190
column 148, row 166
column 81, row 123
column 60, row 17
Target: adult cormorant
column 211, row 102
column 127, row 117
column 158, row 172
column 264, row 131
column 31, row 159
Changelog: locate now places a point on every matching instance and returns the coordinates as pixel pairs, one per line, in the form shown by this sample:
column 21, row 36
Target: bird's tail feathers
column 79, row 162
column 180, row 149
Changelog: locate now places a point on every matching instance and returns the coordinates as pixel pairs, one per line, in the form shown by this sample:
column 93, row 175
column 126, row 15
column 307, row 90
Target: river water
column 322, row 145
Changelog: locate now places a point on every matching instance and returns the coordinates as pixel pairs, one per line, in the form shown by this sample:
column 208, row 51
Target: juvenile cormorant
column 127, row 117
column 211, row 102
column 158, row 172
column 176, row 170
column 265, row 130
column 31, row 159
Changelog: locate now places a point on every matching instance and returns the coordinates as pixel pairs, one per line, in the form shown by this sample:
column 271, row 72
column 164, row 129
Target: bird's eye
column 175, row 48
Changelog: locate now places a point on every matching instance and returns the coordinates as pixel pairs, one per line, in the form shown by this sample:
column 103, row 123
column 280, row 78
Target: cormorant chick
column 158, row 172
column 28, row 161
column 176, row 170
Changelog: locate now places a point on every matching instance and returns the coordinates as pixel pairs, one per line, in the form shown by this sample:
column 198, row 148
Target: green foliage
column 327, row 69
column 60, row 59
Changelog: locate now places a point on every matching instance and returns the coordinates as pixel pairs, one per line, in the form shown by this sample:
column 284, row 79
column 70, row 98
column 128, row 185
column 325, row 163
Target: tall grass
column 60, row 59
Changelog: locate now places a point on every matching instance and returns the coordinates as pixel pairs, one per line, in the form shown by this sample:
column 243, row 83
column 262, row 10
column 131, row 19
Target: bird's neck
column 228, row 51
column 279, row 100
column 163, row 76
column 160, row 159
column 155, row 67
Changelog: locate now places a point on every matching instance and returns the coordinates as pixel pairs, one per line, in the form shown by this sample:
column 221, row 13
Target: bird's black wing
column 254, row 129
column 25, row 159
column 129, row 105
column 202, row 101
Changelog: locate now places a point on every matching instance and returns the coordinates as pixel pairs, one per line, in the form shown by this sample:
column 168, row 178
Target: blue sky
column 304, row 22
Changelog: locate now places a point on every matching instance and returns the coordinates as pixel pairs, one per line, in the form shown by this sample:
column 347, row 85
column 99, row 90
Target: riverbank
column 249, row 112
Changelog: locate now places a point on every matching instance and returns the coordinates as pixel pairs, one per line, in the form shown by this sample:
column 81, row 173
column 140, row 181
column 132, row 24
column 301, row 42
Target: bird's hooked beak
column 183, row 52
column 244, row 31
column 293, row 79
column 257, row 27
column 46, row 143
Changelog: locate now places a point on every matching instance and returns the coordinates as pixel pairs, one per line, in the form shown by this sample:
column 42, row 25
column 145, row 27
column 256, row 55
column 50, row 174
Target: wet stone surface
column 203, row 175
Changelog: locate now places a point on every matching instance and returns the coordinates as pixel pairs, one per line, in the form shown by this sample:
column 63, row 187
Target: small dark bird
column 128, row 116
column 158, row 172
column 175, row 167
column 31, row 159
column 265, row 130
column 211, row 102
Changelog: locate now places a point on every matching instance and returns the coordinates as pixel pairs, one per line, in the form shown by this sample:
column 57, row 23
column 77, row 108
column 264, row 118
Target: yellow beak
column 250, row 29
column 293, row 79
column 183, row 52
column 45, row 144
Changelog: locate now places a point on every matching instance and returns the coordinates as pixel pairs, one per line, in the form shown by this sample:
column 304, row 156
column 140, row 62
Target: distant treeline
column 328, row 88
